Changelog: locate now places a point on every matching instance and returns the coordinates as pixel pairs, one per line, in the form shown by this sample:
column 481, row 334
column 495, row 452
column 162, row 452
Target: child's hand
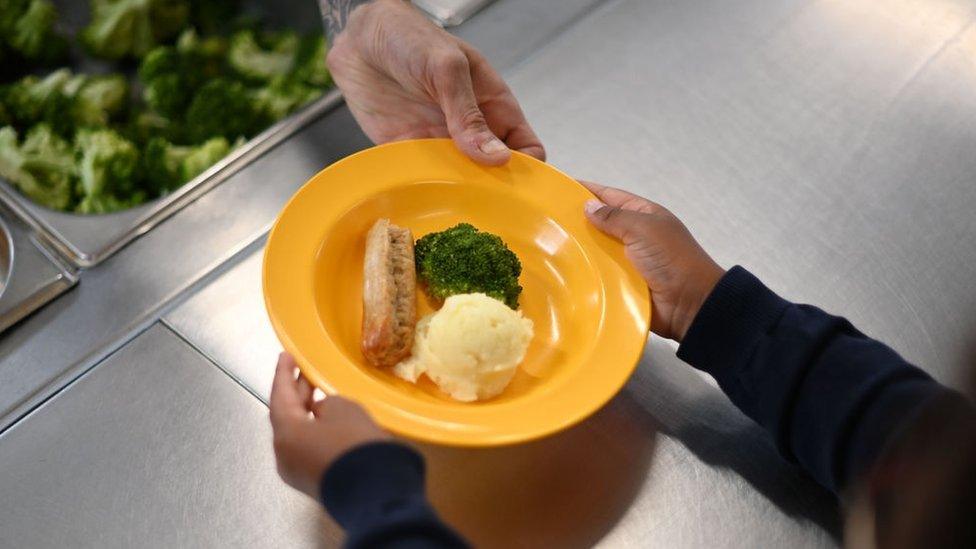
column 678, row 272
column 309, row 435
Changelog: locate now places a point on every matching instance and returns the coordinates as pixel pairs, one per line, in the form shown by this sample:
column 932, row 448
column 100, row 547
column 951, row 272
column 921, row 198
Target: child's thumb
column 614, row 221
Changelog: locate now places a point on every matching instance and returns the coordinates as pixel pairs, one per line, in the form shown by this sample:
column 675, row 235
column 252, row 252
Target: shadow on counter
column 695, row 412
column 567, row 490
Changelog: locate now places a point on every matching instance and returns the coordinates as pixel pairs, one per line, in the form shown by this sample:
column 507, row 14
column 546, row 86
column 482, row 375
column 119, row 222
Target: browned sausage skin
column 389, row 294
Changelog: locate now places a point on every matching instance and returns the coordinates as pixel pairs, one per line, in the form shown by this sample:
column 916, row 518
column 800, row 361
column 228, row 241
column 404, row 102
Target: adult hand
column 309, row 435
column 403, row 77
column 679, row 273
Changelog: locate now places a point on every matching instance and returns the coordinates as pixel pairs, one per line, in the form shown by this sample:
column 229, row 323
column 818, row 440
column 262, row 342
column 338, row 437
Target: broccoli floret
column 262, row 58
column 51, row 160
column 310, row 65
column 171, row 75
column 27, row 33
column 42, row 168
column 161, row 61
column 162, row 162
column 144, row 125
column 33, row 34
column 222, row 108
column 282, row 97
column 168, row 95
column 30, row 98
column 107, row 203
column 464, row 260
column 130, row 28
column 169, row 166
column 119, row 28
column 66, row 102
column 96, row 100
column 107, row 168
column 169, row 80
column 205, row 55
column 108, row 93
column 11, row 160
column 204, row 156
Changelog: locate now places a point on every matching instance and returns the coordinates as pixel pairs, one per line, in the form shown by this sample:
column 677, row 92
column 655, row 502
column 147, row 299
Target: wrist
column 355, row 487
column 369, row 8
column 695, row 293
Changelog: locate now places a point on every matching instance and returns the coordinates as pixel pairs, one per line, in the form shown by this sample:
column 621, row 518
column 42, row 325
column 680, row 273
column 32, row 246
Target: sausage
column 389, row 294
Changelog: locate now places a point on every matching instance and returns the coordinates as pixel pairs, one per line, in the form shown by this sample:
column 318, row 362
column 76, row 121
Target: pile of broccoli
column 201, row 84
column 464, row 260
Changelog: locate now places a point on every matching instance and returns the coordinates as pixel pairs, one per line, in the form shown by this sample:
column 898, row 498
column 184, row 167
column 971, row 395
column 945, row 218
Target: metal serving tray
column 450, row 13
column 30, row 275
column 86, row 240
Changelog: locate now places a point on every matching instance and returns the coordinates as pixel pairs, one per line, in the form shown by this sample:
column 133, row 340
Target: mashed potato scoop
column 470, row 348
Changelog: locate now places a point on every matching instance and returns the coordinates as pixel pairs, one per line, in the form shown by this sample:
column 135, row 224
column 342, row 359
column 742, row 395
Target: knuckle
column 609, row 213
column 472, row 117
column 321, row 408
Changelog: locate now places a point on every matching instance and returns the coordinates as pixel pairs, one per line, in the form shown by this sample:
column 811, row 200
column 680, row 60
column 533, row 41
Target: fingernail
column 492, row 146
column 592, row 206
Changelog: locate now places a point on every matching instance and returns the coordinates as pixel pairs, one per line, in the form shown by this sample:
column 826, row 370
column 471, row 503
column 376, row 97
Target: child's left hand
column 679, row 273
column 309, row 435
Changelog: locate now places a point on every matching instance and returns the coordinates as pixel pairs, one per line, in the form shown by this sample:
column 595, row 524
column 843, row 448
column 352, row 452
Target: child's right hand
column 309, row 434
column 679, row 273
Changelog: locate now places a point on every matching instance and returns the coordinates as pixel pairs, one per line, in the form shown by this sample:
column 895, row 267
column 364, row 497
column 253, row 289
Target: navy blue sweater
column 830, row 396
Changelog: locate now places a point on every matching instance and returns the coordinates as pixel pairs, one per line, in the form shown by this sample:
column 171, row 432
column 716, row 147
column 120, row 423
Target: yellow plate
column 590, row 308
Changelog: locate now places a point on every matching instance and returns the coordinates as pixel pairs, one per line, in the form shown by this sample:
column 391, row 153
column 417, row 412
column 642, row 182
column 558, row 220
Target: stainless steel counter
column 154, row 448
column 826, row 146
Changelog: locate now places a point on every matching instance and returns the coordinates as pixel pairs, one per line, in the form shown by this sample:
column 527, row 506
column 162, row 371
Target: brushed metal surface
column 30, row 274
column 86, row 240
column 227, row 322
column 154, row 447
column 508, row 32
column 451, row 12
column 827, row 146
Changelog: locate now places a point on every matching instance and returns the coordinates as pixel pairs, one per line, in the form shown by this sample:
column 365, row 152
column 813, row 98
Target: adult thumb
column 616, row 222
column 465, row 121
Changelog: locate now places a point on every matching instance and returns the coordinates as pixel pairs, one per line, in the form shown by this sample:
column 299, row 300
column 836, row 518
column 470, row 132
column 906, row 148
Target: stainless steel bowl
column 6, row 255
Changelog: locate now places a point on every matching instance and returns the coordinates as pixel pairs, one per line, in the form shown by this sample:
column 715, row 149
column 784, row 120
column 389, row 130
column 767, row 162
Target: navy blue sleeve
column 830, row 396
column 376, row 493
